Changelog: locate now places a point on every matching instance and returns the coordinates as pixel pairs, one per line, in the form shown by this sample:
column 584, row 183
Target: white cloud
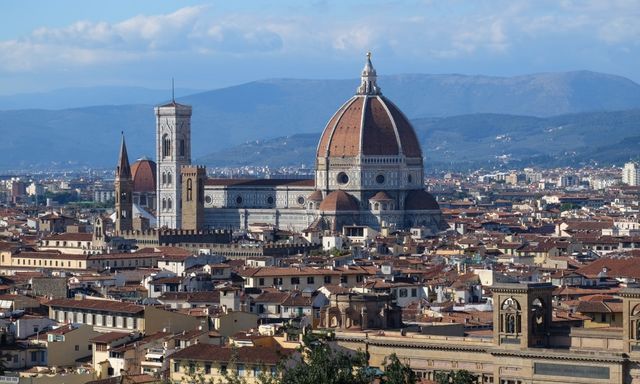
column 426, row 30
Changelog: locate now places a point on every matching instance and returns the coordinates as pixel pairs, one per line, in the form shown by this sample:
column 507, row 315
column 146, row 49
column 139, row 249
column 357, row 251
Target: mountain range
column 459, row 120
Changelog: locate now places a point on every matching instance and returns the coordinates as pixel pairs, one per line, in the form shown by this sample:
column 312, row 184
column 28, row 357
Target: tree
column 322, row 364
column 395, row 372
column 456, row 377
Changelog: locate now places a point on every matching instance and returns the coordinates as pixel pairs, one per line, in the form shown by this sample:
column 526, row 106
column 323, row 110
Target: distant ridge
column 260, row 110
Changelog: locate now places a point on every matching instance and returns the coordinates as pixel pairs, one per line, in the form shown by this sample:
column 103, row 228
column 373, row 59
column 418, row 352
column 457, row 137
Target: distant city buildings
column 631, row 174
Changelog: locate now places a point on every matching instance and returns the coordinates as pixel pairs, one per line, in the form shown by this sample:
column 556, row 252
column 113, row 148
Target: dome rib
column 327, row 135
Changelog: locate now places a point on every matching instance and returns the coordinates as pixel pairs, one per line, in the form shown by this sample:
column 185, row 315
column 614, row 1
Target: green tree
column 322, row 364
column 395, row 372
column 456, row 377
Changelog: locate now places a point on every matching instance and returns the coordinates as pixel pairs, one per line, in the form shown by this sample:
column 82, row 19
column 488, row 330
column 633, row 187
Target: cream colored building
column 525, row 346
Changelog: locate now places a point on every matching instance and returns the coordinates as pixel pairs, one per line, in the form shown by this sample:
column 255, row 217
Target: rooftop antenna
column 173, row 91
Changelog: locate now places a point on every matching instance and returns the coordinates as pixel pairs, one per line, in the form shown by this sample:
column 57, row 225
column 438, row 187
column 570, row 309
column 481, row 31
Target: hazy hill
column 263, row 110
column 78, row 97
column 479, row 139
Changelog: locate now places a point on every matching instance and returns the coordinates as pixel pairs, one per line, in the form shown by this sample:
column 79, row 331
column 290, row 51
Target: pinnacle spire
column 368, row 82
column 123, row 170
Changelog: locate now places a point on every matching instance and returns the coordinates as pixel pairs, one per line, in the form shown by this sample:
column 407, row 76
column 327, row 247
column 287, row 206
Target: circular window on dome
column 380, row 179
column 409, row 178
column 343, row 178
column 239, row 200
column 300, row 200
column 207, row 199
column 270, row 200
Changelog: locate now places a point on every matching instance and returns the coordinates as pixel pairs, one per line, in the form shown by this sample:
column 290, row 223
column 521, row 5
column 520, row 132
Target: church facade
column 369, row 171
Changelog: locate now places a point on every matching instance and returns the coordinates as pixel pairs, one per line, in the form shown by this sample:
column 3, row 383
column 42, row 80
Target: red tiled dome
column 339, row 201
column 382, row 130
column 143, row 173
column 420, row 199
column 369, row 124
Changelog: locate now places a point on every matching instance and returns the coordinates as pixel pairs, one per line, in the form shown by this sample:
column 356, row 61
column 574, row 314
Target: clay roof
column 70, row 237
column 143, row 172
column 339, row 201
column 616, row 267
column 420, row 200
column 97, row 305
column 371, row 126
column 261, row 182
column 207, row 352
column 381, row 196
column 315, row 196
column 108, row 337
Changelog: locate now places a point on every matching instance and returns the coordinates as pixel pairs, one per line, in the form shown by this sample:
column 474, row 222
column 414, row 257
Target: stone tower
column 193, row 178
column 173, row 150
column 522, row 314
column 124, row 191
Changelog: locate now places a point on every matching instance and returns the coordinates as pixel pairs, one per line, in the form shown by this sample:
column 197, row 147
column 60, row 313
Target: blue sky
column 66, row 43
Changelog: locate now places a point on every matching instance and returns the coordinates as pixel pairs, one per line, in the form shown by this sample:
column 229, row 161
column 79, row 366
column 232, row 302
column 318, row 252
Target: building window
column 240, row 370
column 176, row 366
column 169, row 204
column 380, row 179
column 166, row 145
column 295, row 280
column 327, row 279
column 77, row 348
column 403, row 292
column 261, row 281
column 189, row 189
column 414, row 292
column 343, row 178
column 277, row 281
column 207, row 368
column 310, row 280
column 239, row 200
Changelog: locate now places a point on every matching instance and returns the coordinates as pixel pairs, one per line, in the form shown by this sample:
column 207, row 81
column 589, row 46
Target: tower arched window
column 189, row 189
column 164, row 177
column 510, row 317
column 169, row 177
column 164, row 203
column 169, row 204
column 166, row 145
column 182, row 151
column 538, row 316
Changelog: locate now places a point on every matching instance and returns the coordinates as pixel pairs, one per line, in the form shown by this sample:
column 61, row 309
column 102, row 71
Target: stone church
column 369, row 171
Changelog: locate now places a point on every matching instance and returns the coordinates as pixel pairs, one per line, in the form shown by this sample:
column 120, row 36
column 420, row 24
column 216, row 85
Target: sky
column 47, row 45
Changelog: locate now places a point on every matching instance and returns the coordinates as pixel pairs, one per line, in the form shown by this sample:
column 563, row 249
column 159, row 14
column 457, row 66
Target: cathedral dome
column 143, row 173
column 369, row 124
column 339, row 201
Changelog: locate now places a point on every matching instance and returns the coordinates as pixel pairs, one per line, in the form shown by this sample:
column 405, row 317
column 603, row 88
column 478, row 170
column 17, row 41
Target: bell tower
column 173, row 150
column 124, row 191
column 522, row 314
